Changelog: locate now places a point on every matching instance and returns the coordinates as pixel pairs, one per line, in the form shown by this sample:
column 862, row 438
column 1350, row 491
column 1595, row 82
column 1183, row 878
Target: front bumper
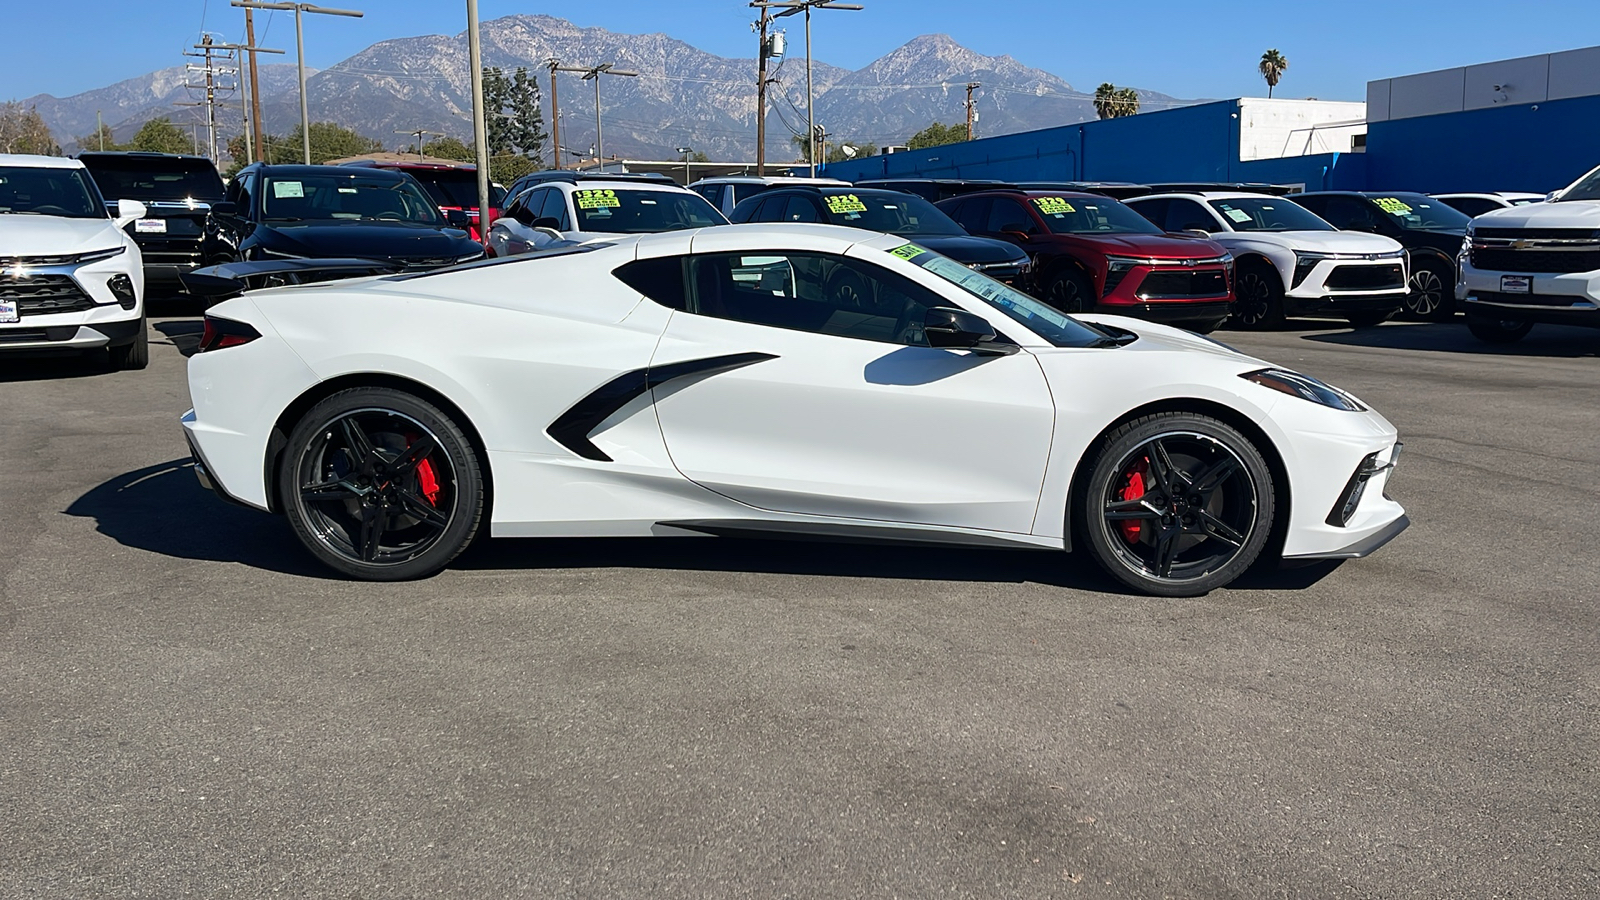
column 1374, row 520
column 1557, row 299
column 1340, row 304
column 87, row 336
column 1172, row 311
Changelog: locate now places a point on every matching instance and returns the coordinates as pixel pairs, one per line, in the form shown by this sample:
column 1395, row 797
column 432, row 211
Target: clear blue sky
column 1179, row 47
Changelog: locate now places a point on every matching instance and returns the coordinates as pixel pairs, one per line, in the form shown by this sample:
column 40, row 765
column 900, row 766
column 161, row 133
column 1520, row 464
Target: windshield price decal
column 287, row 189
column 1392, row 206
column 1053, row 206
column 597, row 199
column 909, row 251
column 845, row 203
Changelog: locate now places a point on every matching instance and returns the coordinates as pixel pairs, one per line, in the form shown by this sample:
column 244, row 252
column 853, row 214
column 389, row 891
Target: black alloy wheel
column 381, row 485
column 1069, row 291
column 1258, row 298
column 1432, row 293
column 1176, row 504
column 1498, row 330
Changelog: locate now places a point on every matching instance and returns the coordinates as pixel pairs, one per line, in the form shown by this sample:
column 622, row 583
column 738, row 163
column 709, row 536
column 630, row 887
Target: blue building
column 1529, row 124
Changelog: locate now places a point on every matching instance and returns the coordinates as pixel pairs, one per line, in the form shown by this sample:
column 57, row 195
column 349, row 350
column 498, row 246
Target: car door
column 798, row 396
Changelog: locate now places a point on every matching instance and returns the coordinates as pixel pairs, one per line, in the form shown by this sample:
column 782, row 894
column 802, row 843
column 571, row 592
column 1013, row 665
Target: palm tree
column 1105, row 100
column 1127, row 102
column 1272, row 68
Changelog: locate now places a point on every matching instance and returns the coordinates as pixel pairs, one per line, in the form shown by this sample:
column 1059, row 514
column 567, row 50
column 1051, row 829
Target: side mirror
column 457, row 218
column 1016, row 231
column 129, row 211
column 957, row 329
column 550, row 222
column 1198, row 232
column 225, row 208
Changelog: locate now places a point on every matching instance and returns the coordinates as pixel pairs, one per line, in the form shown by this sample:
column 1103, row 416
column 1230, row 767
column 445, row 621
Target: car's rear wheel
column 1258, row 297
column 1497, row 330
column 1069, row 291
column 381, row 485
column 1432, row 293
column 1176, row 504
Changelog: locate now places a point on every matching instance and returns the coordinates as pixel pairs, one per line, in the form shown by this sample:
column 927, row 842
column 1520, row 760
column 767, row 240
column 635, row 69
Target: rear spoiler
column 217, row 283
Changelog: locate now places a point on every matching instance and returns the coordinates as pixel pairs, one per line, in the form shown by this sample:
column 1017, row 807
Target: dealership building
column 1528, row 124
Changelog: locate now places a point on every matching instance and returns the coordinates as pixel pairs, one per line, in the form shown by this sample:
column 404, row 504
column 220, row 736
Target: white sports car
column 719, row 381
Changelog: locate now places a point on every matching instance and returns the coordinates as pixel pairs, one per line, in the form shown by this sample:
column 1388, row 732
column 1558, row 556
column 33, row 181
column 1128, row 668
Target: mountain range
column 683, row 97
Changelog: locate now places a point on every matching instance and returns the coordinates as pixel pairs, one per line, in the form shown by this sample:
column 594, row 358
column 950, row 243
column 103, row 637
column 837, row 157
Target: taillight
column 222, row 333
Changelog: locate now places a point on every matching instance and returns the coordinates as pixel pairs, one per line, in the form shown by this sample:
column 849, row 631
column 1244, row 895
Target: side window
column 712, row 193
column 770, row 210
column 800, row 209
column 529, row 200
column 247, row 190
column 660, row 279
column 1473, row 206
column 1154, row 210
column 1184, row 214
column 1008, row 215
column 812, row 292
column 974, row 215
column 555, row 207
column 1347, row 214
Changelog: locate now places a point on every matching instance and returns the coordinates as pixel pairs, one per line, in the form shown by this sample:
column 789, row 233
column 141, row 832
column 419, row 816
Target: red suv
column 1092, row 254
column 452, row 187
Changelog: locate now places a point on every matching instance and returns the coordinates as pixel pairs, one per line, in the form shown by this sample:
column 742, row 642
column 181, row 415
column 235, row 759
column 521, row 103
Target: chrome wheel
column 1426, row 297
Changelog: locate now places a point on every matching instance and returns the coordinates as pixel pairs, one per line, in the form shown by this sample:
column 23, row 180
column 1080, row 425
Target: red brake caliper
column 1133, row 490
column 427, row 478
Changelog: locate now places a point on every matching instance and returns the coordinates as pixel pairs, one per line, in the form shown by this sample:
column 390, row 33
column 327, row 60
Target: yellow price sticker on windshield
column 907, row 251
column 845, row 203
column 597, row 199
column 1392, row 206
column 1053, row 206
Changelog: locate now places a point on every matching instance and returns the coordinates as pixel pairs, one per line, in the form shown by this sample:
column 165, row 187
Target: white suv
column 1535, row 263
column 583, row 208
column 727, row 191
column 70, row 277
column 1290, row 262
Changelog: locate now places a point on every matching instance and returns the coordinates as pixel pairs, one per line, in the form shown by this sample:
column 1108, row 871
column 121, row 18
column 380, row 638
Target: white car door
column 800, row 382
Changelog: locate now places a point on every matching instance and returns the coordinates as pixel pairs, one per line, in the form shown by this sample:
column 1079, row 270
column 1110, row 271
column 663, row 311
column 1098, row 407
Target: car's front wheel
column 1498, row 330
column 1069, row 291
column 1432, row 292
column 1258, row 297
column 1176, row 504
column 381, row 485
column 133, row 355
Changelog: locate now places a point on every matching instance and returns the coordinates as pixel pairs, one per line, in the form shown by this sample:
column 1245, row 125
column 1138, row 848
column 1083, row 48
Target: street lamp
column 685, row 151
column 790, row 7
column 300, row 47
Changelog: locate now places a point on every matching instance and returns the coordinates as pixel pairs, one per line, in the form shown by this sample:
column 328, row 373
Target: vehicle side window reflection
column 813, row 292
column 555, row 207
column 1008, row 215
column 1186, row 215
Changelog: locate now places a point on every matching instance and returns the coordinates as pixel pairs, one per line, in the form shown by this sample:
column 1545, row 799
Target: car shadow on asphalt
column 1453, row 337
column 53, row 366
column 163, row 509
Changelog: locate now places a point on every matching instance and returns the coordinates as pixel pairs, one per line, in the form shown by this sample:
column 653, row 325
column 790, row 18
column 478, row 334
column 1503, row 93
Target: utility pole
column 555, row 112
column 480, row 127
column 763, row 53
column 300, row 48
column 594, row 73
column 790, row 7
column 255, row 81
column 685, row 151
column 100, row 129
column 252, row 107
column 419, row 132
column 971, row 114
column 208, row 50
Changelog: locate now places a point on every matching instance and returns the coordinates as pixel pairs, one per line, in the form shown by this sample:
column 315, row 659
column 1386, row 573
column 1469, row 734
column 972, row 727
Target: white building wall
column 1273, row 129
column 1507, row 82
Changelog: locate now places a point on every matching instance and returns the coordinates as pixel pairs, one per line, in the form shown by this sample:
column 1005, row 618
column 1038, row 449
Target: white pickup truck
column 1531, row 264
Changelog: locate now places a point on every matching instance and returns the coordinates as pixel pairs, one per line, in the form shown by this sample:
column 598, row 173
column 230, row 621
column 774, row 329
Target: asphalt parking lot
column 191, row 708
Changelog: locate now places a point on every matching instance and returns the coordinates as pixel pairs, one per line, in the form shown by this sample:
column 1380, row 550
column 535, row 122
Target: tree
column 527, row 117
column 1273, row 65
column 697, row 156
column 22, row 130
column 101, row 139
column 161, row 136
column 450, row 148
column 937, row 135
column 1112, row 102
column 328, row 141
column 496, row 97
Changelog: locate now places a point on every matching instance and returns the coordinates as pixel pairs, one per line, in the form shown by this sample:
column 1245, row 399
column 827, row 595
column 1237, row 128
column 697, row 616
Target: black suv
column 1430, row 230
column 935, row 189
column 891, row 212
column 177, row 192
column 335, row 212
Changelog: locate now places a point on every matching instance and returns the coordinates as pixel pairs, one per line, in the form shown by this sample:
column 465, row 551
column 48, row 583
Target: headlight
column 1305, row 387
column 1304, row 262
column 97, row 255
column 121, row 286
column 1122, row 263
column 471, row 257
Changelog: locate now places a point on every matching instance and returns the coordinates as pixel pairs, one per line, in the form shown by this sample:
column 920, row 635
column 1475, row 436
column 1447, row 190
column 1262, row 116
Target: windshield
column 455, row 187
column 155, row 178
column 27, row 191
column 1060, row 329
column 1587, row 188
column 1268, row 214
column 1420, row 212
column 1081, row 215
column 346, row 198
column 621, row 211
column 889, row 212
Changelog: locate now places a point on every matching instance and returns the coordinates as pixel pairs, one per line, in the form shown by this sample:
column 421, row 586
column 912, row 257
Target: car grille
column 34, row 335
column 170, row 251
column 1183, row 285
column 44, row 294
column 1510, row 259
column 1366, row 278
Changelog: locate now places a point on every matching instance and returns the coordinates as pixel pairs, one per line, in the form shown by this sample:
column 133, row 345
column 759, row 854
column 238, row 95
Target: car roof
column 769, row 179
column 1210, row 195
column 151, row 154
column 33, row 161
column 351, row 171
column 401, row 164
column 589, row 184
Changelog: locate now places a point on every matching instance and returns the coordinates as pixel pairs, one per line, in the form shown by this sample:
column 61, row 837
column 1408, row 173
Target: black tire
column 1432, row 297
column 132, row 356
column 1258, row 298
column 372, row 463
column 1367, row 318
column 1498, row 330
column 1209, row 535
column 1069, row 291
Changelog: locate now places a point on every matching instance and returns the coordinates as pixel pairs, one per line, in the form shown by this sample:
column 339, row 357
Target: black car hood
column 367, row 240
column 967, row 249
column 1445, row 240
